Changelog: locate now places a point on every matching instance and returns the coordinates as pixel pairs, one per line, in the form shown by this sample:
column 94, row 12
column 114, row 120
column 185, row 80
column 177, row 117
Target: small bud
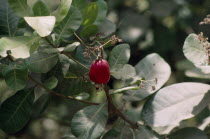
column 142, row 86
column 115, row 39
column 156, row 80
column 153, row 88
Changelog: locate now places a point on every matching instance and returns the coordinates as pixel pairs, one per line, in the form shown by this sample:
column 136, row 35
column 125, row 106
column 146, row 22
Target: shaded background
column 149, row 26
column 159, row 26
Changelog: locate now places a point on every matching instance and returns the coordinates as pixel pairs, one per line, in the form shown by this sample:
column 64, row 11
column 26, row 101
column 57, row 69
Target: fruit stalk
column 115, row 111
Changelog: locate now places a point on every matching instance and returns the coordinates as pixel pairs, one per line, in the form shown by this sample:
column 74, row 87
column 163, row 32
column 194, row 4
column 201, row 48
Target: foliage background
column 149, row 26
column 159, row 26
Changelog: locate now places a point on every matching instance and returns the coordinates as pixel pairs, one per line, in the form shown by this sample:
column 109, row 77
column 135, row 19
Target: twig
column 113, row 110
column 81, row 40
column 118, row 91
column 60, row 95
column 106, row 43
column 69, row 56
column 88, row 47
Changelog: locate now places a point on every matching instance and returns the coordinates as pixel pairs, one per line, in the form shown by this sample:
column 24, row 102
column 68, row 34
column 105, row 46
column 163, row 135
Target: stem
column 81, row 40
column 84, row 44
column 69, row 56
column 109, row 100
column 106, row 43
column 101, row 55
column 60, row 95
column 118, row 91
column 98, row 43
column 112, row 109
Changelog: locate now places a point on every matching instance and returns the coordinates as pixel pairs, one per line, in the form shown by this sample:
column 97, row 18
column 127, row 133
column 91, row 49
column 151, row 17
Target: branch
column 113, row 110
column 60, row 95
column 9, row 56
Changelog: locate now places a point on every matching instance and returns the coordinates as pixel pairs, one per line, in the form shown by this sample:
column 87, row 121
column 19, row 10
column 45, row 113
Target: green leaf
column 5, row 91
column 2, row 67
column 42, row 25
column 41, row 9
column 51, row 82
column 188, row 133
column 120, row 54
column 204, row 68
column 16, row 75
column 184, row 65
column 102, row 11
column 81, row 5
column 150, row 68
column 124, row 132
column 71, row 47
column 8, row 20
column 15, row 112
column 34, row 47
column 74, row 84
column 65, row 63
column 74, row 74
column 200, row 121
column 194, row 51
column 191, row 70
column 89, row 123
column 41, row 62
column 146, row 133
column 123, row 72
column 69, row 136
column 176, row 103
column 133, row 114
column 50, row 50
column 38, row 91
column 133, row 26
column 89, row 30
column 19, row 46
column 82, row 96
column 74, row 79
column 197, row 73
column 107, row 28
column 40, row 105
column 81, row 58
column 61, row 12
column 22, row 26
column 69, row 24
column 90, row 14
column 20, row 7
column 94, row 13
column 31, row 3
